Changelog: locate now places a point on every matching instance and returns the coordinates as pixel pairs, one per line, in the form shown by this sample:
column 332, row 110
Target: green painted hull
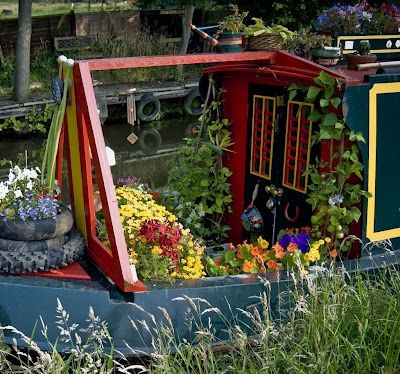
column 23, row 299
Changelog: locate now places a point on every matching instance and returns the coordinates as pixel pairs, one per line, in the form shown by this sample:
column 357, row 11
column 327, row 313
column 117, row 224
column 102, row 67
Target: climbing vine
column 334, row 193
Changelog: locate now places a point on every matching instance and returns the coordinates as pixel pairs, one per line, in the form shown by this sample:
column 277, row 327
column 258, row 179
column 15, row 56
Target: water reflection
column 131, row 161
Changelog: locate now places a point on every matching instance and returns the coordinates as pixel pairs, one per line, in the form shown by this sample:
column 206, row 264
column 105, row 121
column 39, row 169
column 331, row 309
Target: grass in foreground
column 327, row 324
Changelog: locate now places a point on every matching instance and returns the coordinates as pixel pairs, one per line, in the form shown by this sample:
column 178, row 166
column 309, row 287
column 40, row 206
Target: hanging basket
column 265, row 42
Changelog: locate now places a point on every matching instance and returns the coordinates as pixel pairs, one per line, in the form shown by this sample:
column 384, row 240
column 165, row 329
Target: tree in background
column 22, row 64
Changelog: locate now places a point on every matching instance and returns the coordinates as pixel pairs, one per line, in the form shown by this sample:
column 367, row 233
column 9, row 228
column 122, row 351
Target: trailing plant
column 34, row 122
column 201, row 181
column 333, row 195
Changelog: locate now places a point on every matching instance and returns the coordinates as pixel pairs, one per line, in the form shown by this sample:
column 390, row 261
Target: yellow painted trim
column 264, row 100
column 76, row 165
column 377, row 89
column 366, row 37
column 293, row 186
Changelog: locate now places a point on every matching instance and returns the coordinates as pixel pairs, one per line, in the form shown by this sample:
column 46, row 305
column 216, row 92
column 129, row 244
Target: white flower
column 61, row 59
column 18, row 194
column 3, row 190
column 29, row 185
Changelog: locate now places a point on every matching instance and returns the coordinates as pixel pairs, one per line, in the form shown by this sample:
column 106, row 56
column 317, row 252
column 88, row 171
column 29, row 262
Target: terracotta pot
column 353, row 60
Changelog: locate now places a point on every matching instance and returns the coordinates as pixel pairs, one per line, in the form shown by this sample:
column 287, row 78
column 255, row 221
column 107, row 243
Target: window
column 297, row 146
column 262, row 138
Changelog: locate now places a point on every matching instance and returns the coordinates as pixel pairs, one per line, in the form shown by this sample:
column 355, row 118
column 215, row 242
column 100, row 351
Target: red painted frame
column 115, row 263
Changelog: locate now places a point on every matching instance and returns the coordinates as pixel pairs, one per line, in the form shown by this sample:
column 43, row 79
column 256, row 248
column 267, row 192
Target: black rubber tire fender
column 148, row 108
column 191, row 100
column 150, row 141
column 34, row 261
column 31, row 245
column 37, row 230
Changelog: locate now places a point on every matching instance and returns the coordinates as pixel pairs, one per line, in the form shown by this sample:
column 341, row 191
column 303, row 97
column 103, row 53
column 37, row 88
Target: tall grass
column 327, row 323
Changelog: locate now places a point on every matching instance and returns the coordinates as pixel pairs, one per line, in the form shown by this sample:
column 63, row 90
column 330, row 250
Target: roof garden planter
column 326, row 56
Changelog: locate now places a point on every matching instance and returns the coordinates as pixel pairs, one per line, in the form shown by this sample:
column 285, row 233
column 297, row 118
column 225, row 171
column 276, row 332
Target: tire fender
column 149, row 141
column 193, row 102
column 148, row 108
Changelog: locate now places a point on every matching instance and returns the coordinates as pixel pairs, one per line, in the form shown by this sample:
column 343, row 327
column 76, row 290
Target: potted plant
column 361, row 56
column 35, row 229
column 305, row 41
column 261, row 37
column 230, row 32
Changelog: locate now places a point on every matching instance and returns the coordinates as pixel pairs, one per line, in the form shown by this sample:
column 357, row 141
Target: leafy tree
column 22, row 68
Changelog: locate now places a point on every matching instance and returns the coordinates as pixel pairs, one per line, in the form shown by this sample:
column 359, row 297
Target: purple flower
column 285, row 240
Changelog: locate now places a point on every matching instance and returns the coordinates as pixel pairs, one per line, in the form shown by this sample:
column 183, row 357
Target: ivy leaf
column 336, row 102
column 324, row 133
column 324, row 79
column 292, row 94
column 355, row 213
column 329, row 92
column 329, row 120
column 339, row 126
column 312, row 93
column 314, row 116
column 324, row 103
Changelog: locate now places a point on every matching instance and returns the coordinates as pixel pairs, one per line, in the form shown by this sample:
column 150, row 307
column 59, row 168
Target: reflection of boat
column 246, row 77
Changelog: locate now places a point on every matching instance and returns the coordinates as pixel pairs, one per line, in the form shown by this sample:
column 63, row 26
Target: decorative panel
column 297, row 146
column 262, row 138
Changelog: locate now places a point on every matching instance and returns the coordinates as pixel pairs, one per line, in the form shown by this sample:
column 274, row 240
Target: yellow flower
column 262, row 243
column 328, row 240
column 156, row 250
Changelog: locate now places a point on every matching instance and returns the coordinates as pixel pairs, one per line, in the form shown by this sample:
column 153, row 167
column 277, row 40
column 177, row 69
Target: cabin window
column 297, row 146
column 262, row 138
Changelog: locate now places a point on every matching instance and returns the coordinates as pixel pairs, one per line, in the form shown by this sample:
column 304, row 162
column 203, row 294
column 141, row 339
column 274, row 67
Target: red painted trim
column 151, row 61
column 72, row 271
column 90, row 131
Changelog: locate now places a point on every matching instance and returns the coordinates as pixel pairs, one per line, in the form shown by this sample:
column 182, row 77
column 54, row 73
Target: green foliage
column 34, row 122
column 201, row 180
column 303, row 41
column 232, row 22
column 334, row 199
column 258, row 28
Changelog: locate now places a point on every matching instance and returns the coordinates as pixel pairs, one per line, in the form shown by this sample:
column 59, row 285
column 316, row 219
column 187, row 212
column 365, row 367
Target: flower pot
column 326, row 56
column 354, row 59
column 230, row 42
column 42, row 229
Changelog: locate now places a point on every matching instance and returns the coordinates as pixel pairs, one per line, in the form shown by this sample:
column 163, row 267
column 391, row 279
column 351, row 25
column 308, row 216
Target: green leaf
column 329, row 120
column 339, row 126
column 336, row 102
column 314, row 116
column 324, row 134
column 324, row 79
column 292, row 94
column 329, row 92
column 360, row 137
column 324, row 102
column 316, row 178
column 204, row 182
column 312, row 93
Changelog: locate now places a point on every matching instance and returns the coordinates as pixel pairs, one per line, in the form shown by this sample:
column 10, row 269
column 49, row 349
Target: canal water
column 130, row 159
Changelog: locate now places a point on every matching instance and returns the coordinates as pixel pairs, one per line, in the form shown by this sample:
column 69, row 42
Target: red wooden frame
column 115, row 263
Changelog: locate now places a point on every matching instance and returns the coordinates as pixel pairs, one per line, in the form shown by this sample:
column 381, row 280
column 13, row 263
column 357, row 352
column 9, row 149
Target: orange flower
column 255, row 251
column 292, row 247
column 218, row 261
column 277, row 247
column 333, row 253
column 273, row 265
column 248, row 266
column 280, row 254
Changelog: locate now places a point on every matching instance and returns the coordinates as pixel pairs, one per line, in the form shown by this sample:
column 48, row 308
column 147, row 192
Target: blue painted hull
column 23, row 299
